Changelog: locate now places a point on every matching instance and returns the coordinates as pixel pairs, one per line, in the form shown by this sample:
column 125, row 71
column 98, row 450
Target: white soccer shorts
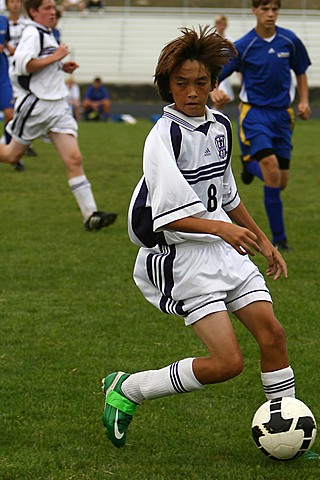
column 35, row 118
column 195, row 279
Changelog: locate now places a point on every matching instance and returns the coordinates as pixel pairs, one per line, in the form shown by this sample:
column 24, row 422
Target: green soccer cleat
column 118, row 410
column 309, row 456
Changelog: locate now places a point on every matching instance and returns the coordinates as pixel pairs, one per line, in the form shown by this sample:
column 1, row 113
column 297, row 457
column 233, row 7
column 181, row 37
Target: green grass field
column 70, row 314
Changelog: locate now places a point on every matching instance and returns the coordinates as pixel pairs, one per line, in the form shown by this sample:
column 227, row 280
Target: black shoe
column 19, row 166
column 99, row 220
column 30, row 152
column 246, row 176
column 282, row 245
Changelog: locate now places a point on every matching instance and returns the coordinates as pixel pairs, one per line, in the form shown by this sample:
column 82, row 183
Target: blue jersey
column 96, row 94
column 4, row 38
column 266, row 67
column 6, row 95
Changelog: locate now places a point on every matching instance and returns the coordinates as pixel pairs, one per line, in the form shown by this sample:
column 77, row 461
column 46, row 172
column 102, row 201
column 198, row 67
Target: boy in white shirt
column 42, row 109
column 193, row 260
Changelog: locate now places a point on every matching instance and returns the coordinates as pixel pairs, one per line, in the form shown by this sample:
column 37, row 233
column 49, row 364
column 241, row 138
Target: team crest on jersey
column 220, row 141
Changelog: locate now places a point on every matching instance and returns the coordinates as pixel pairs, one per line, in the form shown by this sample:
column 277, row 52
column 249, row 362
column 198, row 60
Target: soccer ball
column 284, row 428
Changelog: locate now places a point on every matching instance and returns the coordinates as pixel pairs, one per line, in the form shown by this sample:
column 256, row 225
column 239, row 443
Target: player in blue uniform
column 266, row 56
column 195, row 234
column 6, row 94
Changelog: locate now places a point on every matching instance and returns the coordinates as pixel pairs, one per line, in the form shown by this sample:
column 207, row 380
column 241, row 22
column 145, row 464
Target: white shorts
column 195, row 279
column 35, row 118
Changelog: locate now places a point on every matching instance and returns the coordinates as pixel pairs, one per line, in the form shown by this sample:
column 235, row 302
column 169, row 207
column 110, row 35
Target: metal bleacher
column 122, row 44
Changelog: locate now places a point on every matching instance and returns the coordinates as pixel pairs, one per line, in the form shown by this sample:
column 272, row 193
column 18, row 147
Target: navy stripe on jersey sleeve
column 141, row 221
column 176, row 139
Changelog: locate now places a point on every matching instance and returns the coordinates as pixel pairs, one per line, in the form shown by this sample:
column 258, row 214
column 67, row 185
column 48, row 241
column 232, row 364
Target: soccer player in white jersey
column 17, row 23
column 42, row 108
column 195, row 236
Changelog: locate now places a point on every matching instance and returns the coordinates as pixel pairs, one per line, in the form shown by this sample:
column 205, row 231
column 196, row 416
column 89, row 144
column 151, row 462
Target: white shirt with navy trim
column 187, row 172
column 39, row 42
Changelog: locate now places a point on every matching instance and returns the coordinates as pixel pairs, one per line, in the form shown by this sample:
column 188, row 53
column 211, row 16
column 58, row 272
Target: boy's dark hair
column 207, row 47
column 258, row 3
column 32, row 4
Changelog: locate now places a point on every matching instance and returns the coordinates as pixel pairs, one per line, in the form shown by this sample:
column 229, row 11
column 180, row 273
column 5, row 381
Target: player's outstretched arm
column 240, row 238
column 304, row 110
column 276, row 264
column 36, row 64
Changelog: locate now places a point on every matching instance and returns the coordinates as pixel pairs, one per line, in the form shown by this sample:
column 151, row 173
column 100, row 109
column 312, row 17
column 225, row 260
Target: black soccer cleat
column 282, row 245
column 100, row 220
column 19, row 166
column 30, row 152
column 246, row 176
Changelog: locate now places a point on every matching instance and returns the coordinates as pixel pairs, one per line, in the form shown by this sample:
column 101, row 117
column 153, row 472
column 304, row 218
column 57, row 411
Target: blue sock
column 273, row 206
column 253, row 167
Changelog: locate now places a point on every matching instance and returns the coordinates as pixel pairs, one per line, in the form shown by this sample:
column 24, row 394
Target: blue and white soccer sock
column 274, row 209
column 81, row 189
column 175, row 378
column 279, row 383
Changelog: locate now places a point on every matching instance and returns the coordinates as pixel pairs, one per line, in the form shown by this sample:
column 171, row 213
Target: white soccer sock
column 279, row 383
column 175, row 378
column 81, row 189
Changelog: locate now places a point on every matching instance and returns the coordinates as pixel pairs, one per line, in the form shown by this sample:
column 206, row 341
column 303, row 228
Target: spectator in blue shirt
column 96, row 103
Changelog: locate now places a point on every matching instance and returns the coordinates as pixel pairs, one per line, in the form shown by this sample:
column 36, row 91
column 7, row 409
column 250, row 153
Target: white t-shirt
column 48, row 83
column 16, row 29
column 187, row 172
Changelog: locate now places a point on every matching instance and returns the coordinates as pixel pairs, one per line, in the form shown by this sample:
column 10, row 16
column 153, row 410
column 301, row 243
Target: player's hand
column 304, row 110
column 276, row 264
column 10, row 49
column 240, row 238
column 61, row 52
column 69, row 67
column 219, row 98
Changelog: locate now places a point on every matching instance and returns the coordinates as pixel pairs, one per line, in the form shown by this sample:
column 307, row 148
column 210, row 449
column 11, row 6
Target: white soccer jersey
column 48, row 83
column 15, row 29
column 187, row 172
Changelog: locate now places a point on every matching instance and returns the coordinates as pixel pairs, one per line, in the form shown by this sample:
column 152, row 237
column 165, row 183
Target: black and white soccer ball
column 284, row 428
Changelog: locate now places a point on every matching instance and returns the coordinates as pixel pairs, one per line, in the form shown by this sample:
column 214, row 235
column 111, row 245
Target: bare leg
column 260, row 320
column 68, row 149
column 225, row 357
column 12, row 152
